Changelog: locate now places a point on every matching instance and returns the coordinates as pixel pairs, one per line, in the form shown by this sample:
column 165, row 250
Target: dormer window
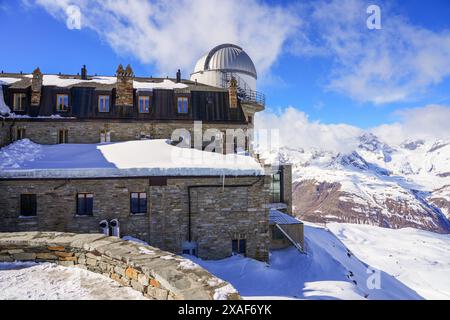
column 19, row 101
column 183, row 105
column 103, row 103
column 62, row 102
column 144, row 104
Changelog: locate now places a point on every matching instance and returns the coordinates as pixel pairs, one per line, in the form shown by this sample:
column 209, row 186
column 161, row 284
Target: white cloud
column 296, row 130
column 430, row 122
column 394, row 64
column 173, row 34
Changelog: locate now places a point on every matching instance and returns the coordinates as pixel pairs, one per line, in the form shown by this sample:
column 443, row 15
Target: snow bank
column 328, row 271
column 24, row 159
column 419, row 259
column 17, row 154
column 47, row 281
column 4, row 109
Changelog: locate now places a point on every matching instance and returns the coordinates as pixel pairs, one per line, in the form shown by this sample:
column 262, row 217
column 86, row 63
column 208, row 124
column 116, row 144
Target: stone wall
column 218, row 214
column 5, row 128
column 155, row 273
column 88, row 131
column 287, row 187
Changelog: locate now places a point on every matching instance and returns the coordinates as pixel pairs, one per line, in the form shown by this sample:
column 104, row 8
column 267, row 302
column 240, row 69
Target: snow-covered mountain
column 394, row 186
column 341, row 262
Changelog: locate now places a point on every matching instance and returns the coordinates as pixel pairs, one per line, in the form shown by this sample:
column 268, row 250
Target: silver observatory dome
column 227, row 58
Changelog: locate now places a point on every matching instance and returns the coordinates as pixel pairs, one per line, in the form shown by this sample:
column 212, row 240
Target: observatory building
column 82, row 149
column 228, row 61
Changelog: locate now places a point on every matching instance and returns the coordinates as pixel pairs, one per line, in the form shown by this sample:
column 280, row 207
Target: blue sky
column 298, row 50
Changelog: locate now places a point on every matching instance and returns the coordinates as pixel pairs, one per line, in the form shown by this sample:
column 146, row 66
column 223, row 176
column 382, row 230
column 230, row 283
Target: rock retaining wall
column 157, row 274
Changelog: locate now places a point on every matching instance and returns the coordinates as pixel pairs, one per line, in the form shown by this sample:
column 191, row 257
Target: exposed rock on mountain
column 406, row 185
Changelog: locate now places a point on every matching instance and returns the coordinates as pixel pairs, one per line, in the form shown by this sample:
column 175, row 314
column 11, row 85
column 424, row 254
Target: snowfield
column 419, row 259
column 330, row 271
column 46, row 281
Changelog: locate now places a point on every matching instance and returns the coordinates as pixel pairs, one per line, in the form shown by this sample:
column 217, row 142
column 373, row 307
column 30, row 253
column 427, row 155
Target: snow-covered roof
column 25, row 159
column 165, row 84
column 278, row 217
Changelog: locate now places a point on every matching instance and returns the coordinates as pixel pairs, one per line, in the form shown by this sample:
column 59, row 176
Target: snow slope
column 30, row 281
column 327, row 271
column 419, row 259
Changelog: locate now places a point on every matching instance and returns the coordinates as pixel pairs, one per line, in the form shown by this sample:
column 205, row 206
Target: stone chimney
column 232, row 92
column 84, row 73
column 36, row 87
column 124, row 86
column 178, row 76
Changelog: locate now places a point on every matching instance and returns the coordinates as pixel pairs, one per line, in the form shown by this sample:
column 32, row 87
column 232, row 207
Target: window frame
column 20, row 133
column 33, row 205
column 144, row 98
column 241, row 246
column 107, row 106
column 58, row 95
column 140, row 207
column 87, row 212
column 180, row 111
column 22, row 101
column 65, row 136
column 273, row 183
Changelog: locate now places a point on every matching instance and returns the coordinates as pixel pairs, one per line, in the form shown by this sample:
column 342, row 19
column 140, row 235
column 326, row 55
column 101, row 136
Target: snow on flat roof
column 55, row 80
column 25, row 159
column 166, row 84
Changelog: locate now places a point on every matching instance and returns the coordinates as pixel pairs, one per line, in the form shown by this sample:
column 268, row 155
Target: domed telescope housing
column 227, row 61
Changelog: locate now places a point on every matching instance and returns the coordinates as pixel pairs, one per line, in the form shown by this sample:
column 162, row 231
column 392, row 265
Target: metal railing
column 245, row 93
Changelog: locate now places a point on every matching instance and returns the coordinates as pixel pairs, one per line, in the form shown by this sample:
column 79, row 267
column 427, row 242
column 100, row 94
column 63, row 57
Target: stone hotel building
column 87, row 154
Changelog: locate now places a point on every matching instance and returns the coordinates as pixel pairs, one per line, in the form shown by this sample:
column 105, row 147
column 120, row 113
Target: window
column 19, row 101
column 105, row 136
column 20, row 134
column 275, row 188
column 138, row 202
column 103, row 103
column 27, row 205
column 63, row 136
column 183, row 104
column 62, row 102
column 239, row 246
column 85, row 204
column 144, row 104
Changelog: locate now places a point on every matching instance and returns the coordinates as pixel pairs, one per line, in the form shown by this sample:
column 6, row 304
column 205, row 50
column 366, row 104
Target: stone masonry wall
column 217, row 215
column 155, row 273
column 46, row 132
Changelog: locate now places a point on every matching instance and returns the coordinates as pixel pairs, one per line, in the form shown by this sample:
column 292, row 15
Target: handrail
column 245, row 93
